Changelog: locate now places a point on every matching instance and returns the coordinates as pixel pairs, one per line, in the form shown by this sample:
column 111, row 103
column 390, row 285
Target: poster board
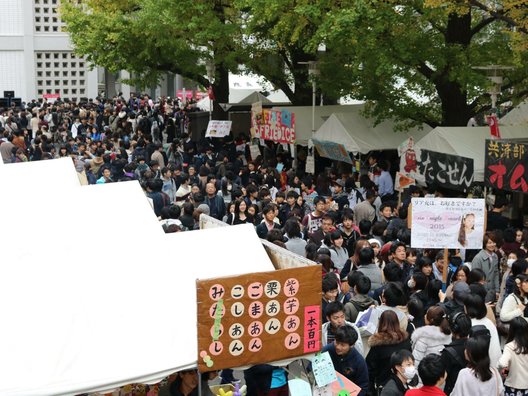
column 218, row 129
column 452, row 223
column 506, row 165
column 258, row 318
column 332, row 150
column 277, row 125
column 402, row 182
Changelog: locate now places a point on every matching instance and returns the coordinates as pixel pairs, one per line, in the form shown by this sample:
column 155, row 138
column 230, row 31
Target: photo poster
column 218, row 129
column 256, row 117
column 448, row 223
column 258, row 318
column 506, row 165
column 334, row 151
column 277, row 125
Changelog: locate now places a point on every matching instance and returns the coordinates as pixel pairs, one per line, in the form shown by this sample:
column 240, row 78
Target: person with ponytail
column 432, row 337
column 479, row 378
column 514, row 361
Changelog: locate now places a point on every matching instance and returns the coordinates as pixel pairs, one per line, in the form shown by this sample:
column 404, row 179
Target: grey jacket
column 490, row 266
column 373, row 272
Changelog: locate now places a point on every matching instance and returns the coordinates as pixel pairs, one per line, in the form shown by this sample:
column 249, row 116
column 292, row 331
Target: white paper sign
column 218, row 128
column 310, row 164
column 452, row 223
column 254, row 151
column 323, row 369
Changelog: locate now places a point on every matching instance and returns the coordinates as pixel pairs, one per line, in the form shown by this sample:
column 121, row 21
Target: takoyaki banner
column 444, row 170
column 453, row 223
column 277, row 125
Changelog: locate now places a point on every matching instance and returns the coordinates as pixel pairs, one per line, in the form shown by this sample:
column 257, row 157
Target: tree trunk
column 221, row 92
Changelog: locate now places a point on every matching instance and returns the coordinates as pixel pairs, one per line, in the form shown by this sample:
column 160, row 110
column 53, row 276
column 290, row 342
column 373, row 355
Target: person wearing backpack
column 360, row 301
column 480, row 377
column 453, row 354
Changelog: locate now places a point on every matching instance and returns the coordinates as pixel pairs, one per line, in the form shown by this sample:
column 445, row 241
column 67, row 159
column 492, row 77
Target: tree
column 416, row 62
column 151, row 37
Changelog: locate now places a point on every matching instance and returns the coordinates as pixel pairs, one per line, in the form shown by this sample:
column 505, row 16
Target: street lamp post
column 313, row 72
column 210, row 67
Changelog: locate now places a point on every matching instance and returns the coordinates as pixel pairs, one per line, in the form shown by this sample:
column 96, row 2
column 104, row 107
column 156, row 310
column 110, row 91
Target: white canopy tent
column 359, row 135
column 99, row 299
column 517, row 116
column 33, row 177
column 466, row 142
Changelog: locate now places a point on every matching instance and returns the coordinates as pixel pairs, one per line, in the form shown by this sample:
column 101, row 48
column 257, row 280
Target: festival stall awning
column 359, row 134
column 466, row 142
column 516, row 116
column 95, row 295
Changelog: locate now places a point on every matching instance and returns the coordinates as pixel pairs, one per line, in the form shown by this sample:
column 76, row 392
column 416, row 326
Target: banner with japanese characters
column 258, row 318
column 452, row 223
column 506, row 165
column 277, row 125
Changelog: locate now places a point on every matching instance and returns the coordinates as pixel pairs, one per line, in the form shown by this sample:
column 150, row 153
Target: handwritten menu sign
column 258, row 318
column 452, row 223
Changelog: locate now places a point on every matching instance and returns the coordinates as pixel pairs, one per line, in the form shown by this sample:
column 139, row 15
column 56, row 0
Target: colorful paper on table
column 218, row 128
column 437, row 222
column 299, row 387
column 323, row 369
column 344, row 387
column 256, row 317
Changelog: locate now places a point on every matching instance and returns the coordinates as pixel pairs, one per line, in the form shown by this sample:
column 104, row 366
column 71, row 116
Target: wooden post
column 409, row 216
column 445, row 270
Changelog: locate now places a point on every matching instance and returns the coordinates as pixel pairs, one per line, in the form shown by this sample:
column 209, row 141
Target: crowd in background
column 388, row 324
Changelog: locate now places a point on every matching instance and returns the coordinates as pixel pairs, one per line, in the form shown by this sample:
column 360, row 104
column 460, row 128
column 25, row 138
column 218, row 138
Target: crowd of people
column 388, row 324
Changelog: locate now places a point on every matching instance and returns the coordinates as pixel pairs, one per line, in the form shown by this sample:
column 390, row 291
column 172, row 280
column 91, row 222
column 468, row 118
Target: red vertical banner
column 494, row 126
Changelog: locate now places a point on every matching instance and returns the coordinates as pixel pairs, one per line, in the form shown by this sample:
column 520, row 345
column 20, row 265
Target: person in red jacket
column 432, row 371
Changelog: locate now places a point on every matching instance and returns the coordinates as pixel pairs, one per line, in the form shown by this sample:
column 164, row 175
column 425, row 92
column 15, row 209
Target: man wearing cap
column 339, row 195
column 460, row 291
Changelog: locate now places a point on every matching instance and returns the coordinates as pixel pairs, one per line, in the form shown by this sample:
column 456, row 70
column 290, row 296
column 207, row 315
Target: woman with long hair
column 334, row 242
column 467, row 229
column 515, row 304
column 478, row 378
column 514, row 361
column 241, row 215
column 432, row 337
column 389, row 338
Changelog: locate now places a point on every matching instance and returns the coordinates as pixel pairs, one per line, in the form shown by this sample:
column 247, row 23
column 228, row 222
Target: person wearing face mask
column 403, row 372
column 389, row 338
column 510, row 259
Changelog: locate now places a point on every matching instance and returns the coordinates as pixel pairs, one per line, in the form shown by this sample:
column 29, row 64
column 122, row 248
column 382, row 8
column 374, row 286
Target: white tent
column 466, row 142
column 303, row 118
column 33, row 177
column 517, row 116
column 359, row 135
column 278, row 96
column 95, row 295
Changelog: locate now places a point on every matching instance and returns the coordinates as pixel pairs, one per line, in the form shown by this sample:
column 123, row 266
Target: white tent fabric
column 303, row 118
column 359, row 135
column 517, row 116
column 466, row 142
column 39, row 175
column 278, row 96
column 253, row 98
column 96, row 302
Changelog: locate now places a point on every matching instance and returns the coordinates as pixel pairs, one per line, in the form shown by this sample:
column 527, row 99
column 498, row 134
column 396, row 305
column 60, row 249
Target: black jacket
column 454, row 360
column 394, row 387
column 382, row 346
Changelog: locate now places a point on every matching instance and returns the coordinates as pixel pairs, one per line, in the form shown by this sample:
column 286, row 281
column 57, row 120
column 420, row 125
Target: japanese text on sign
column 453, row 223
column 242, row 320
column 506, row 165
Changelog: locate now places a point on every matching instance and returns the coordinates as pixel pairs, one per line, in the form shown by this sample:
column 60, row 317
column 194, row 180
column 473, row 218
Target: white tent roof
column 278, row 96
column 39, row 175
column 303, row 118
column 517, row 116
column 466, row 142
column 253, row 98
column 359, row 135
column 97, row 301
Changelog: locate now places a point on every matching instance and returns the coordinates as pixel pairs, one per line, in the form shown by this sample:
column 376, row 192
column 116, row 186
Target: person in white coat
column 515, row 304
column 432, row 337
column 514, row 360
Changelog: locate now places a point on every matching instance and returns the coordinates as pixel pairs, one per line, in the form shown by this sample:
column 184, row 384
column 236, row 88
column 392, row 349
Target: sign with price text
column 452, row 223
column 258, row 318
